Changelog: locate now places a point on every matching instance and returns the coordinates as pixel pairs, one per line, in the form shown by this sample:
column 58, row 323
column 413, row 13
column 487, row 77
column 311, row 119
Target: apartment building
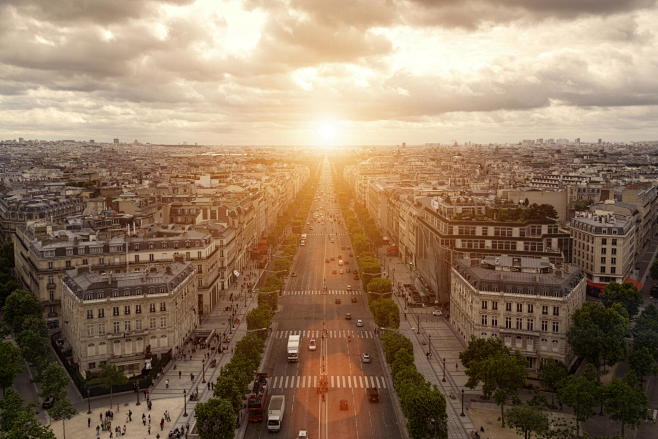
column 604, row 246
column 127, row 319
column 528, row 302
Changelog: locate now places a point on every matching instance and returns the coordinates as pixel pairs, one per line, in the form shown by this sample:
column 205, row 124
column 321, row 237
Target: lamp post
column 462, row 413
column 203, row 371
column 137, row 390
column 88, row 402
column 429, row 343
column 185, row 402
column 444, row 370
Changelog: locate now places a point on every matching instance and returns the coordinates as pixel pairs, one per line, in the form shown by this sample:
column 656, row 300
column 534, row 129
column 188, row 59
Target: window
column 484, row 304
column 50, row 265
column 494, row 321
column 68, row 264
column 531, row 308
column 613, row 260
column 90, row 330
column 126, row 310
column 484, row 320
column 101, row 313
column 544, row 309
column 117, row 327
column 508, row 306
column 138, row 309
column 614, row 241
column 604, row 241
column 603, row 250
column 556, row 326
column 163, row 306
column 151, row 257
column 198, row 256
column 163, row 322
column 101, row 261
column 101, row 329
column 519, row 323
column 613, row 251
column 199, row 268
column 91, row 366
column 138, row 324
column 544, row 325
column 508, row 322
column 152, row 307
column 530, row 324
column 494, row 305
column 612, row 270
column 90, row 314
column 602, row 270
column 519, row 307
column 152, row 323
column 115, row 311
column 137, row 259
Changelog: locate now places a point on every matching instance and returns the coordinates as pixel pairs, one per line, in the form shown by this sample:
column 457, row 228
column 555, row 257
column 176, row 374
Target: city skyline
column 306, row 72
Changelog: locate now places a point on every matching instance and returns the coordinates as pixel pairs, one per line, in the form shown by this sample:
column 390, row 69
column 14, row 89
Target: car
column 48, row 402
column 333, row 259
column 337, row 301
column 359, row 323
column 354, row 300
column 326, row 260
column 343, row 404
column 293, row 274
column 341, row 271
column 312, row 345
column 349, row 287
column 356, row 276
column 303, row 434
column 334, row 272
column 437, row 313
column 348, row 316
column 365, row 358
column 373, row 394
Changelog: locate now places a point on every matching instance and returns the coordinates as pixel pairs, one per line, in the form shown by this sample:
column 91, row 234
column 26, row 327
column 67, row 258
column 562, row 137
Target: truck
column 293, row 348
column 275, row 412
column 257, row 397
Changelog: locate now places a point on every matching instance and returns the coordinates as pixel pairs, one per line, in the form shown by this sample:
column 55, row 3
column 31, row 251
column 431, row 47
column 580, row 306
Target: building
column 528, row 302
column 127, row 319
column 604, row 246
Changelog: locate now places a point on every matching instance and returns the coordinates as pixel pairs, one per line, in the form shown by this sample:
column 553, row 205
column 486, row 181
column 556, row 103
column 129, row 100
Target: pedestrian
column 456, row 366
column 191, row 376
column 130, row 415
column 149, row 419
column 123, row 433
column 161, row 424
column 208, row 385
column 149, row 429
column 180, row 374
column 88, row 422
column 167, row 383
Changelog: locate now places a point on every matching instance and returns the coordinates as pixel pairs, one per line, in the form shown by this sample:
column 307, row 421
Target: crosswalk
column 320, row 292
column 308, row 235
column 334, row 382
column 331, row 333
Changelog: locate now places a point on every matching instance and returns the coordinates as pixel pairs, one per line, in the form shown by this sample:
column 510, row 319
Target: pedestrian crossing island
column 333, row 381
column 330, row 333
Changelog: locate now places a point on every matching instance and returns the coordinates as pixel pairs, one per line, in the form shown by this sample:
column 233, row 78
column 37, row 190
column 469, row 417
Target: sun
column 326, row 133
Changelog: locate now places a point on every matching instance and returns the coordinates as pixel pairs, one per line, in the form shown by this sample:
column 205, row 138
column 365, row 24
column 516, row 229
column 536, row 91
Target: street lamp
column 444, row 370
column 185, row 402
column 203, row 371
column 462, row 413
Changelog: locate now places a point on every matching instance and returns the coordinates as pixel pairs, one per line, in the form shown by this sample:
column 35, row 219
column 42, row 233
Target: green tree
column 17, row 421
column 597, row 334
column 12, row 364
column 33, row 345
column 643, row 363
column 582, row 395
column 360, row 243
column 36, row 324
column 109, row 376
column 427, row 416
column 268, row 300
column 52, row 379
column 386, row 313
column 625, row 403
column 380, row 285
column 259, row 317
column 551, row 373
column 645, row 331
column 625, row 294
column 228, row 388
column 479, row 349
column 502, row 376
column 62, row 410
column 216, row 419
column 394, row 342
column 19, row 305
column 527, row 420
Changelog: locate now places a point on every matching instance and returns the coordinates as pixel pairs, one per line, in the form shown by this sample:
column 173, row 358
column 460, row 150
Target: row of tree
column 23, row 315
column 423, row 404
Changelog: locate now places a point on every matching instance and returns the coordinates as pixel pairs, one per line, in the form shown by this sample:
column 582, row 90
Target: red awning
column 637, row 283
column 595, row 285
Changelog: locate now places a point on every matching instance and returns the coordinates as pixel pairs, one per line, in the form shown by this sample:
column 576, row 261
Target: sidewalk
column 444, row 344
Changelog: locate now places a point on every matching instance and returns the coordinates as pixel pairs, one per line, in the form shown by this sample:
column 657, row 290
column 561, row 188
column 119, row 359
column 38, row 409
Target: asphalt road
column 307, row 309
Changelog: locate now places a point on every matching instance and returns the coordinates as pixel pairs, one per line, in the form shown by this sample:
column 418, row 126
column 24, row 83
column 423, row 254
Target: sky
column 328, row 72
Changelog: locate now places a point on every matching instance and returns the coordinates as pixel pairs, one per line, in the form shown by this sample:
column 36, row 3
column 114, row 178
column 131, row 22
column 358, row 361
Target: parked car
column 373, row 394
column 349, row 287
column 337, row 301
column 354, row 299
column 48, row 402
column 436, row 312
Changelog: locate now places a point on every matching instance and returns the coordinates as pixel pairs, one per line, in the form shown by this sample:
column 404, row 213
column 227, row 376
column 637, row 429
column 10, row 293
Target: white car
column 349, row 288
column 359, row 323
column 365, row 358
column 437, row 313
column 312, row 346
column 303, row 434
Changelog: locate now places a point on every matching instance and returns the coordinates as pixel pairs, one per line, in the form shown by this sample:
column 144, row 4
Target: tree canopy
column 626, row 294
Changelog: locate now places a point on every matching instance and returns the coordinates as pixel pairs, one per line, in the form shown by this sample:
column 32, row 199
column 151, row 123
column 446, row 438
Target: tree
column 216, row 419
column 394, row 342
column 360, row 243
column 12, row 364
column 62, row 410
column 527, row 420
column 426, row 414
column 645, row 331
column 625, row 403
column 625, row 294
column 551, row 373
column 227, row 388
column 17, row 421
column 643, row 363
column 33, row 346
column 19, row 305
column 386, row 313
column 481, row 348
column 109, row 377
column 380, row 285
column 597, row 334
column 36, row 324
column 268, row 300
column 259, row 317
column 502, row 376
column 52, row 379
column 582, row 395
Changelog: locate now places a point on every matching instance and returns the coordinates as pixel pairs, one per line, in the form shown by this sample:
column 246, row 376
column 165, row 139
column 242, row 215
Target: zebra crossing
column 334, row 382
column 331, row 333
column 320, row 292
column 308, row 235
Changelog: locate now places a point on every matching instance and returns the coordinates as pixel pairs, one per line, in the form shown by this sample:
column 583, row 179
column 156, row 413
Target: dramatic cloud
column 257, row 71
